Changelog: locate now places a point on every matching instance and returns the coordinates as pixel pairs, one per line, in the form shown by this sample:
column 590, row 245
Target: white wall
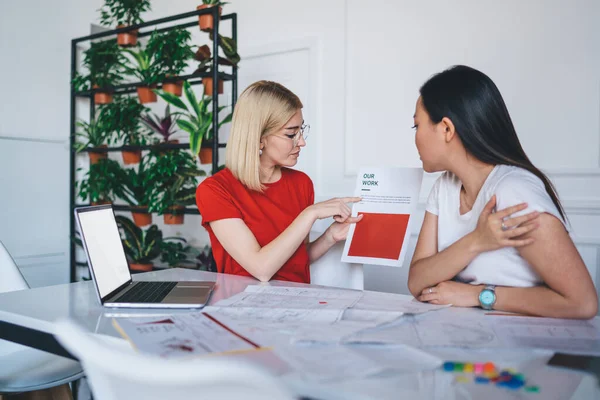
column 35, row 43
column 357, row 67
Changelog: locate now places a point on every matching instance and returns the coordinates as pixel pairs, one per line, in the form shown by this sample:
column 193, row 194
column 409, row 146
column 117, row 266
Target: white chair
column 24, row 369
column 114, row 374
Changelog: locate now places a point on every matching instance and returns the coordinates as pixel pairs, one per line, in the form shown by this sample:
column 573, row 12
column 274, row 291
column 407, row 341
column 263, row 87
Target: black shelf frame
column 125, row 207
column 130, row 87
column 161, row 146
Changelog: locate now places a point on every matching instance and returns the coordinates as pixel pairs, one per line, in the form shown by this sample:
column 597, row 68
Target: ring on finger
column 504, row 227
column 430, row 290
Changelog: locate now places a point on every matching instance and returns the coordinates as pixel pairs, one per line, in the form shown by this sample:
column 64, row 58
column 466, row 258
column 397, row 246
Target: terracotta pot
column 102, row 97
column 174, row 141
column 127, row 39
column 208, row 86
column 206, row 21
column 206, row 156
column 146, row 94
column 131, row 157
column 141, row 267
column 141, row 218
column 174, row 219
column 99, row 203
column 95, row 157
column 174, row 88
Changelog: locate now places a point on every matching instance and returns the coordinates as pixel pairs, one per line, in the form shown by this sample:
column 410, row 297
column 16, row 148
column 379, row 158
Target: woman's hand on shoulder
column 497, row 230
column 336, row 208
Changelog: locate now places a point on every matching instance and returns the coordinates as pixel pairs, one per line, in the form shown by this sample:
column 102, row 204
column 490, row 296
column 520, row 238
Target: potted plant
column 141, row 247
column 104, row 61
column 123, row 117
column 203, row 55
column 229, row 47
column 195, row 120
column 102, row 184
column 175, row 178
column 206, row 21
column 204, row 258
column 172, row 52
column 144, row 68
column 175, row 252
column 124, row 13
column 162, row 126
column 95, row 136
column 137, row 189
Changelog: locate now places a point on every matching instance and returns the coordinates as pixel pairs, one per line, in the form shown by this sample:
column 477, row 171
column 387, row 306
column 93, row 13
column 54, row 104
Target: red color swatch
column 379, row 236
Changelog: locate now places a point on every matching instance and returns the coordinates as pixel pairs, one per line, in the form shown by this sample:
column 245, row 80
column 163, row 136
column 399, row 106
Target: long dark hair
column 475, row 106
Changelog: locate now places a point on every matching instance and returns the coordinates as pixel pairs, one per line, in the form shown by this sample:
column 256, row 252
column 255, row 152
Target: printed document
column 559, row 335
column 258, row 296
column 181, row 335
column 389, row 199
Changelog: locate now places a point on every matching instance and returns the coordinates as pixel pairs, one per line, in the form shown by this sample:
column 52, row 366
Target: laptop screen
column 106, row 257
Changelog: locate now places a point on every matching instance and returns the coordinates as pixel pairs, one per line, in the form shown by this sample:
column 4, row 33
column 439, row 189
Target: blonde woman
column 258, row 212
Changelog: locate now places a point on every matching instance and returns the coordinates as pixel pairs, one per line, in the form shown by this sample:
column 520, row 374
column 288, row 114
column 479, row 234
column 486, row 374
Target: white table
column 27, row 317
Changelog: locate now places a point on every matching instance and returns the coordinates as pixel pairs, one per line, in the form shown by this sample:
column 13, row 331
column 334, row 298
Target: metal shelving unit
column 127, row 88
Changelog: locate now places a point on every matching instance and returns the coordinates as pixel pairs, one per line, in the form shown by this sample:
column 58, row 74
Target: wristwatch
column 487, row 297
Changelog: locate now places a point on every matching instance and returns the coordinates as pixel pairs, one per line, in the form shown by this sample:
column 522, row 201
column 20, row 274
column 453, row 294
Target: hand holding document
column 389, row 199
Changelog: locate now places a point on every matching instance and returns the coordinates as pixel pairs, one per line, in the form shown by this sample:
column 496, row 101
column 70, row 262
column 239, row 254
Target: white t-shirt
column 512, row 186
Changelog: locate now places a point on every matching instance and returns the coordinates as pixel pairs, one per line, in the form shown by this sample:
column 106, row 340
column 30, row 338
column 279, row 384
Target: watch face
column 487, row 297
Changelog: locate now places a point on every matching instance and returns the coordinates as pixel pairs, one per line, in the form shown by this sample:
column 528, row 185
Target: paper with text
column 275, row 314
column 172, row 336
column 257, row 296
column 379, row 301
column 328, row 363
column 389, row 199
column 560, row 335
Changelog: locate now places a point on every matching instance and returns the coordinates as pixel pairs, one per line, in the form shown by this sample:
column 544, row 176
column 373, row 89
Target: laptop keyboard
column 146, row 292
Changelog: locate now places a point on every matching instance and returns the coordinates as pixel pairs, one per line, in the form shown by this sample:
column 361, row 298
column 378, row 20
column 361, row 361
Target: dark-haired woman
column 494, row 233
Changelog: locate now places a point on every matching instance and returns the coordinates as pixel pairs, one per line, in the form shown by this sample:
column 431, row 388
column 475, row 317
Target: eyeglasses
column 302, row 132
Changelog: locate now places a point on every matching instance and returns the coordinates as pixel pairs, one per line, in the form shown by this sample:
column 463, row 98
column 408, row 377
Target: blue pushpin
column 449, row 366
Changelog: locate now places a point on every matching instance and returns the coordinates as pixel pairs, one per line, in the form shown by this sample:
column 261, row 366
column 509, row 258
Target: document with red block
column 389, row 200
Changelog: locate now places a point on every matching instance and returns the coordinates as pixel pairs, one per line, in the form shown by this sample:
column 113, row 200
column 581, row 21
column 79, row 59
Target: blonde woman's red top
column 266, row 214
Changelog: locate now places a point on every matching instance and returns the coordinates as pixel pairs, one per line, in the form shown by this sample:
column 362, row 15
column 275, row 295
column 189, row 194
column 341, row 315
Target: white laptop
column 110, row 271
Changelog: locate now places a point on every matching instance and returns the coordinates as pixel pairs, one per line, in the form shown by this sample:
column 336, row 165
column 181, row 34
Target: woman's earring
column 260, row 152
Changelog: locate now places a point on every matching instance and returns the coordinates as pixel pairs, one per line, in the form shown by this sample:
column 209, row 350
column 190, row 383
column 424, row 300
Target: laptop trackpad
column 183, row 294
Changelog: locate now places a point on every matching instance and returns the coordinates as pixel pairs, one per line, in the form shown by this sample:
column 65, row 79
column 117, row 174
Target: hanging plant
column 141, row 247
column 172, row 52
column 123, row 13
column 175, row 180
column 206, row 21
column 103, row 61
column 123, row 118
column 143, row 66
column 196, row 119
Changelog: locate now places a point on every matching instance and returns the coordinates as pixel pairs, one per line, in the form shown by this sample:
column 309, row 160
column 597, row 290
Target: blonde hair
column 262, row 109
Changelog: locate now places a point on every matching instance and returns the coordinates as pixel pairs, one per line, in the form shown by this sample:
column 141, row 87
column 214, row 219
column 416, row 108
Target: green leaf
column 172, row 99
column 133, row 234
column 196, row 142
column 187, row 126
column 226, row 120
column 191, row 97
